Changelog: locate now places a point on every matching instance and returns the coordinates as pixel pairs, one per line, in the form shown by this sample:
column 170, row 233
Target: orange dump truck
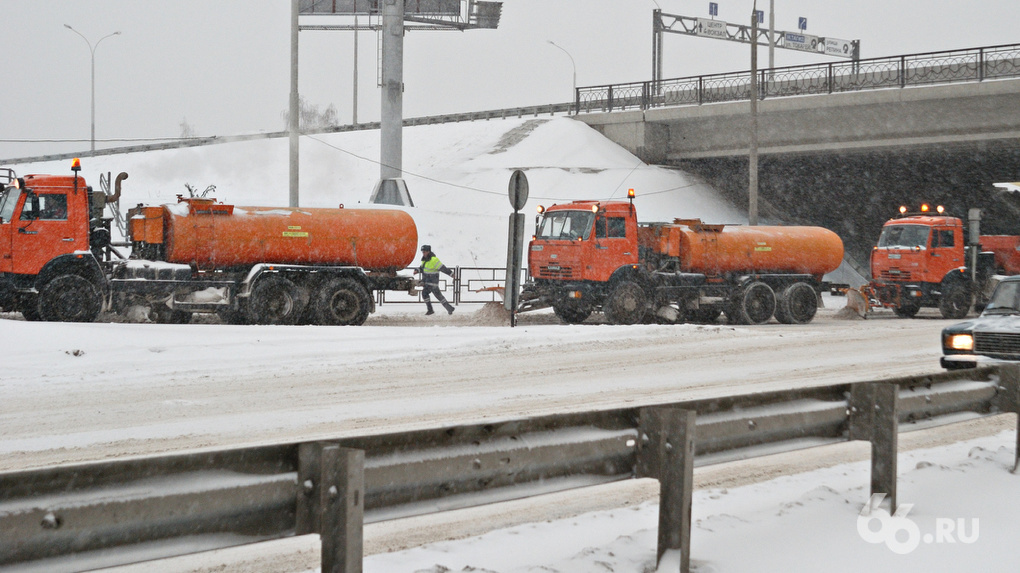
column 590, row 256
column 248, row 264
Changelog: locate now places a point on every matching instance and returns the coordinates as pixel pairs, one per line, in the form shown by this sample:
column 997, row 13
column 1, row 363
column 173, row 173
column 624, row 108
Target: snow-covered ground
column 79, row 392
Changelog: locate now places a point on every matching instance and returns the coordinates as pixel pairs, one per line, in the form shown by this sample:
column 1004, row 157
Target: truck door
column 615, row 244
column 945, row 253
column 41, row 231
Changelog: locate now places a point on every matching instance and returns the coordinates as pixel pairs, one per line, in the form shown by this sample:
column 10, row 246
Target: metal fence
column 169, row 505
column 952, row 66
column 468, row 285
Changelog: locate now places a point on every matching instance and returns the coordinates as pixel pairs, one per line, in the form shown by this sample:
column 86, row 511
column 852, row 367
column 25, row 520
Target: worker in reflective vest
column 430, row 268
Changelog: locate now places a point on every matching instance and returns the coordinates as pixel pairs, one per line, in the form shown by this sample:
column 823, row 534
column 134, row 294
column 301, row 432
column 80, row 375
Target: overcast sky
column 222, row 66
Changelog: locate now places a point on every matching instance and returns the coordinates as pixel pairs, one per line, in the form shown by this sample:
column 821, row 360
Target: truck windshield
column 570, row 225
column 8, row 200
column 1004, row 298
column 905, row 236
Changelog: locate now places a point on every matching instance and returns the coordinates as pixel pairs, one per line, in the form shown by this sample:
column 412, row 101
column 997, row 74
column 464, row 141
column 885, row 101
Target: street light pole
column 572, row 65
column 92, row 51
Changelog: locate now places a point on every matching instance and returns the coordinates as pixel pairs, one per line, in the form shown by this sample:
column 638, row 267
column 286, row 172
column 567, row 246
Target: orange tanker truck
column 590, row 256
column 248, row 264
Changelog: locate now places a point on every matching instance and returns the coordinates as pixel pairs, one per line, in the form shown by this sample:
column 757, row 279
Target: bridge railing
column 969, row 65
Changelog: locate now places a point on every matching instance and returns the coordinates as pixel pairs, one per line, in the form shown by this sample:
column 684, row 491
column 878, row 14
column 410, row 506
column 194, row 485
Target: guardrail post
column 668, row 455
column 873, row 418
column 331, row 481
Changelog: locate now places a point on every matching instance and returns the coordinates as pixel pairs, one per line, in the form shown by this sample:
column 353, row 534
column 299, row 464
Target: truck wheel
column 756, row 304
column 906, row 310
column 570, row 313
column 342, row 302
column 797, row 304
column 274, row 300
column 626, row 304
column 70, row 298
column 955, row 302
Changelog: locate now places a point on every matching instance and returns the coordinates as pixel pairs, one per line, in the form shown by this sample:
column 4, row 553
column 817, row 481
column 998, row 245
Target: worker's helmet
column 426, row 248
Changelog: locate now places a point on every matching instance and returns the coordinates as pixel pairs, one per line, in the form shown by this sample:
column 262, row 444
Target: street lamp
column 92, row 50
column 571, row 63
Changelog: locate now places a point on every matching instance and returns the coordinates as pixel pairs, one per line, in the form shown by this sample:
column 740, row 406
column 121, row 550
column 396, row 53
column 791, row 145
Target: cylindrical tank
column 216, row 236
column 717, row 249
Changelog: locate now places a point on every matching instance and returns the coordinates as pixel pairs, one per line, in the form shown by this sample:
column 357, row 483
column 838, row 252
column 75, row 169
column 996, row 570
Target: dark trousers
column 433, row 288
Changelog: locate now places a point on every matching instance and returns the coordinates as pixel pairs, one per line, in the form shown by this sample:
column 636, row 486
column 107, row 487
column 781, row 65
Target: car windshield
column 8, row 200
column 566, row 225
column 1004, row 299
column 905, row 236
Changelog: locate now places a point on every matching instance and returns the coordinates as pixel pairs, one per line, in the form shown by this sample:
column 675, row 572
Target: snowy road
column 79, row 392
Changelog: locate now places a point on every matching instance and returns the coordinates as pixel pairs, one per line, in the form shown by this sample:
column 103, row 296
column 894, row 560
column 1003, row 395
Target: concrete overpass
column 840, row 145
column 970, row 114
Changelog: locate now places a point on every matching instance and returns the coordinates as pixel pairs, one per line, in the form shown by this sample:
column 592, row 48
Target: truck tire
column 342, row 302
column 797, row 304
column 274, row 300
column 70, row 298
column 571, row 313
column 626, row 304
column 755, row 305
column 955, row 301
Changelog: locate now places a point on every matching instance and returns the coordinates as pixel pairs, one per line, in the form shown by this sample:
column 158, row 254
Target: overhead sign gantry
column 721, row 30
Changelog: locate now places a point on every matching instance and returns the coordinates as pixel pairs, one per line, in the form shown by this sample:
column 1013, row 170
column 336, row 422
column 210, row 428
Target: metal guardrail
column 168, row 505
column 951, row 66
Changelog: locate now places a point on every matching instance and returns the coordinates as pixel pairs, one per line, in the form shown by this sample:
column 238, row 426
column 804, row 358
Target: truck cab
column 920, row 261
column 581, row 252
column 44, row 236
column 584, row 241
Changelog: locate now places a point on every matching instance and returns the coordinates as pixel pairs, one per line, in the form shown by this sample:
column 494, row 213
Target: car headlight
column 960, row 342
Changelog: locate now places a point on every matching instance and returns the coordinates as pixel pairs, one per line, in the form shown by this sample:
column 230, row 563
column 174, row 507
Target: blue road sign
column 802, row 23
column 761, row 16
column 713, row 8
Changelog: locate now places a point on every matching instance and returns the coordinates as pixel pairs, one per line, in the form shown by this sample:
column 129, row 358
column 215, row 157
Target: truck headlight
column 960, row 342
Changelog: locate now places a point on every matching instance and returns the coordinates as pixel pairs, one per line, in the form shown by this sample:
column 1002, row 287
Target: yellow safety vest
column 432, row 265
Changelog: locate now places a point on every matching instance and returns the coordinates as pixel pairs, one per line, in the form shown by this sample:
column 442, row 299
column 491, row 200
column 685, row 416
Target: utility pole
column 294, row 122
column 772, row 32
column 752, row 187
column 392, row 112
column 354, row 104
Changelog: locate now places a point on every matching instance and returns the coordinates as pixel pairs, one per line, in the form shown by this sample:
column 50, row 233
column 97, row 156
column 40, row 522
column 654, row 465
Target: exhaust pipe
column 116, row 188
